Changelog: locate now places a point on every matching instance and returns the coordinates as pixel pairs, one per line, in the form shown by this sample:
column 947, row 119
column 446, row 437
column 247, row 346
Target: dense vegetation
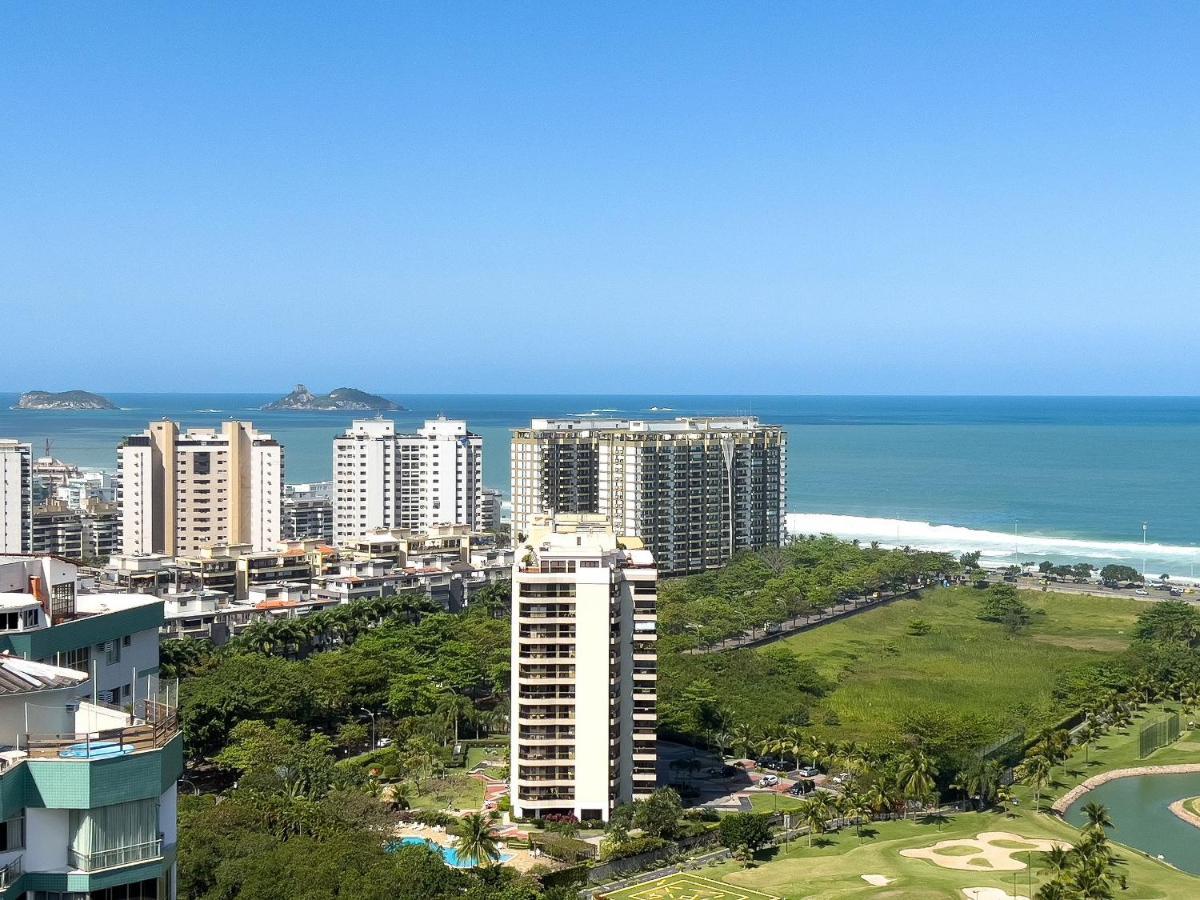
column 286, row 711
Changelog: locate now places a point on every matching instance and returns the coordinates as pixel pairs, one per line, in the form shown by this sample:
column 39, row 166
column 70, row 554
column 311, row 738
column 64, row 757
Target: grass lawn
column 1117, row 750
column 457, row 791
column 765, row 802
column 963, row 665
column 833, row 867
column 476, row 755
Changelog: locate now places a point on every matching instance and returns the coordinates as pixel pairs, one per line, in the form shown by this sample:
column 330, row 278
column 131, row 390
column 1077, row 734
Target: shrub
column 564, row 849
column 749, row 830
column 631, row 847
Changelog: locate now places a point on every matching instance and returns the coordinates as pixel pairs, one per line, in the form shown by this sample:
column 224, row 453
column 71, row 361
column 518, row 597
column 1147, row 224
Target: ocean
column 1024, row 478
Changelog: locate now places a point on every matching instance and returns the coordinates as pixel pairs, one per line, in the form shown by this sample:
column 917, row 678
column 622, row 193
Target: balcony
column 112, row 859
column 10, row 874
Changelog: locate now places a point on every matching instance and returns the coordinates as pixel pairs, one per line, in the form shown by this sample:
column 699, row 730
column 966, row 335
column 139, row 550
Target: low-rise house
column 112, row 637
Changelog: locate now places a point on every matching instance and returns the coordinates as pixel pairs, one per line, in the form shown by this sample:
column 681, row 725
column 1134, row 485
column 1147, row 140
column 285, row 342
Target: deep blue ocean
column 1018, row 477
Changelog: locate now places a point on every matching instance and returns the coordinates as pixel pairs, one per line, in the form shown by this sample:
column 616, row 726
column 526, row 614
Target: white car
column 843, row 778
column 1142, row 593
column 769, row 780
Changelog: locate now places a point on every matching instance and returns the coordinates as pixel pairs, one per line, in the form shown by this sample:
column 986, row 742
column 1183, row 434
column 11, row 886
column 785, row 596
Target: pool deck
column 522, row 860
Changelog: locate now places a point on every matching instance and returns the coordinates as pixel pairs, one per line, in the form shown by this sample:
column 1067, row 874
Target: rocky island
column 63, row 400
column 339, row 399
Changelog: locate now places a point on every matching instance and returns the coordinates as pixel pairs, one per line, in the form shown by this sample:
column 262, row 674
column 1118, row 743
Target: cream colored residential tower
column 584, row 677
column 183, row 491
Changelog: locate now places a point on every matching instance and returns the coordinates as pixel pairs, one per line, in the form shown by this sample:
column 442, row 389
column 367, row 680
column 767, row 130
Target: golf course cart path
column 985, row 846
column 990, row 893
column 1063, row 803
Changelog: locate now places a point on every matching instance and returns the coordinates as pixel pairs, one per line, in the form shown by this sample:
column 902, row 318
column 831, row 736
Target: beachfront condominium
column 184, row 491
column 16, row 497
column 584, row 674
column 387, row 480
column 695, row 490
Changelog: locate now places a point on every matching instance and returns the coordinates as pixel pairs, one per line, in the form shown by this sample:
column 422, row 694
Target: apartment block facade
column 183, row 491
column 694, row 490
column 584, row 674
column 387, row 480
column 16, row 497
column 88, row 790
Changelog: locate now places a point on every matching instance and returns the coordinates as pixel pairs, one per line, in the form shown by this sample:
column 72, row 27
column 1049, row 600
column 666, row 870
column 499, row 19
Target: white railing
column 118, row 856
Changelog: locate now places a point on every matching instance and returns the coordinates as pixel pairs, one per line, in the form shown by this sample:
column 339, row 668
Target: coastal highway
column 1190, row 595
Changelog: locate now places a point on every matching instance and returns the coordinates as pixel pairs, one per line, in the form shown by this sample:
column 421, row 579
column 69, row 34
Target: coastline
column 1063, row 803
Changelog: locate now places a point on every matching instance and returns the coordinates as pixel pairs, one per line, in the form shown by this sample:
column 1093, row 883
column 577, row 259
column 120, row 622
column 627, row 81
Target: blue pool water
column 449, row 854
column 94, row 750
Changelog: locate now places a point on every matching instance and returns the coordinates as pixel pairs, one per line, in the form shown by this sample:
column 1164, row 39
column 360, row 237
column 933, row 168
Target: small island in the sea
column 63, row 400
column 341, row 398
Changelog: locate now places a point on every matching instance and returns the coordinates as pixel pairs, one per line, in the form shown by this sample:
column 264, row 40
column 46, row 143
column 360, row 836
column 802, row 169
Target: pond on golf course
column 1140, row 807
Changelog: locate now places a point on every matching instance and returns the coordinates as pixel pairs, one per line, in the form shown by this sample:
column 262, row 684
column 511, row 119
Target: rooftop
column 21, row 676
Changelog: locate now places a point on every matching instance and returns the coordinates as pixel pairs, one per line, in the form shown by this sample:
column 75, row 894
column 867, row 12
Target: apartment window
column 79, row 659
column 111, row 651
column 9, row 621
column 115, row 835
column 127, row 640
column 62, row 601
column 201, row 463
column 12, row 834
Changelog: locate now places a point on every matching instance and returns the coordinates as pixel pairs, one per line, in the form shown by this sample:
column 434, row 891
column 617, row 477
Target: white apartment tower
column 584, row 675
column 16, row 497
column 695, row 490
column 183, row 491
column 387, row 480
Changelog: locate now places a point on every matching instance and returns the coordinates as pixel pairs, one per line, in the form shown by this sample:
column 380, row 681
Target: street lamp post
column 372, row 715
column 1145, row 574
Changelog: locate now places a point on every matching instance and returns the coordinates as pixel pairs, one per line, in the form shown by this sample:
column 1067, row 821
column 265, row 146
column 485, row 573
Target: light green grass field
column 833, row 868
column 454, row 791
column 963, row 665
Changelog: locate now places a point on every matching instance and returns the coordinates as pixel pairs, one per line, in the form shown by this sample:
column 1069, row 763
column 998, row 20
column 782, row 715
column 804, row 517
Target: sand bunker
column 986, row 893
column 990, row 851
column 877, row 880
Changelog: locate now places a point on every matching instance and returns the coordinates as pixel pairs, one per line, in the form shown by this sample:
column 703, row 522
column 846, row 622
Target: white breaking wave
column 998, row 547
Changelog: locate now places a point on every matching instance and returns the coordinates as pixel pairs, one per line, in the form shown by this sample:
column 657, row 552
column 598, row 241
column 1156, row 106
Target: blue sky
column 782, row 198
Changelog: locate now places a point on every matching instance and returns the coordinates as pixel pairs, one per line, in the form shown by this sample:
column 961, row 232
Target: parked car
column 769, row 780
column 1142, row 593
column 771, row 762
column 809, row 772
column 843, row 778
column 802, row 787
column 722, row 771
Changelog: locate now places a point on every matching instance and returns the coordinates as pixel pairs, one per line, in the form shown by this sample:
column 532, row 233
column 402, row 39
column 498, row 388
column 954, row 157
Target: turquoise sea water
column 1073, row 477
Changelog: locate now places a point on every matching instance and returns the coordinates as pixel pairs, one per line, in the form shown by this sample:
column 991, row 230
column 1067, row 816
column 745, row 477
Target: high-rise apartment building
column 308, row 512
column 695, row 490
column 183, row 491
column 16, row 497
column 387, row 480
column 584, row 674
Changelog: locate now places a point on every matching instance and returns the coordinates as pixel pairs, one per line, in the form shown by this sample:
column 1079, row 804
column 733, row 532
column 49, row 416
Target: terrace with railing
column 107, row 732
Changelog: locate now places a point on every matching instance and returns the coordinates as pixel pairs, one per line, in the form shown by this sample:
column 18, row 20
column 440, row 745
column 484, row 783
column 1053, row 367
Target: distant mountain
column 341, row 398
column 63, row 400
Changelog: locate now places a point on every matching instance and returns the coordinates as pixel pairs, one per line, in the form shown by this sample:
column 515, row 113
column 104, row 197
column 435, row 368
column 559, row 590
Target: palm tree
column 917, row 773
column 857, row 807
column 1036, row 770
column 792, row 743
column 1097, row 815
column 1058, row 858
column 814, row 813
column 745, row 738
column 475, row 842
column 1052, row 890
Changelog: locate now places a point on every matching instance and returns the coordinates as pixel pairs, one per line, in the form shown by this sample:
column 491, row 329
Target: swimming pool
column 94, row 750
column 449, row 854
